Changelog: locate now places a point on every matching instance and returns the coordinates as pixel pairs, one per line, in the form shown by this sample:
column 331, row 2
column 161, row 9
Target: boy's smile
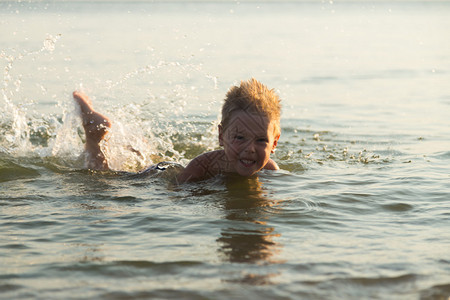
column 248, row 141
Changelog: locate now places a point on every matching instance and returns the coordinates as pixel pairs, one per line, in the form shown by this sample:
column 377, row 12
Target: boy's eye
column 263, row 140
column 239, row 137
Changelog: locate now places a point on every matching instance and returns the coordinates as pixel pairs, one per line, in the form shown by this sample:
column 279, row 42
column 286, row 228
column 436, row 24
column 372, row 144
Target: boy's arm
column 202, row 167
column 271, row 165
column 196, row 170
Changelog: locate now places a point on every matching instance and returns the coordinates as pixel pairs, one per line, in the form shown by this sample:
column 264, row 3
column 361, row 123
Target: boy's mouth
column 247, row 162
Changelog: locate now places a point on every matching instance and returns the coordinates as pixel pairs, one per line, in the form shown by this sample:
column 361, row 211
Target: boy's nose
column 250, row 147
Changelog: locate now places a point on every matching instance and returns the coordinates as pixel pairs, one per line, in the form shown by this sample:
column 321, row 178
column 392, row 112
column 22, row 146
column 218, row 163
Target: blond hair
column 254, row 97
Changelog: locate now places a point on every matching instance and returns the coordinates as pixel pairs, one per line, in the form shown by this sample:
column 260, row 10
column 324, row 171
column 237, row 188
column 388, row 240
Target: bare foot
column 95, row 127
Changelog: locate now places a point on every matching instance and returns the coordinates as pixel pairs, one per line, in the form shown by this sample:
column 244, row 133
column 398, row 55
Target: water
column 359, row 210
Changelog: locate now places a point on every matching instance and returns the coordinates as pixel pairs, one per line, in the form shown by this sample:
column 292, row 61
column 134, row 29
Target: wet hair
column 253, row 97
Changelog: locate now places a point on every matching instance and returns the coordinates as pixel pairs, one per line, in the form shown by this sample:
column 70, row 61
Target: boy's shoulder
column 204, row 166
column 271, row 165
column 212, row 162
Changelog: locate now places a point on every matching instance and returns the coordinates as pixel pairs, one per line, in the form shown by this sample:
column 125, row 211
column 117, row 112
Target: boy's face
column 248, row 141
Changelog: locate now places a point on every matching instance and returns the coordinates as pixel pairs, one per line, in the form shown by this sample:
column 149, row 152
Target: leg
column 95, row 126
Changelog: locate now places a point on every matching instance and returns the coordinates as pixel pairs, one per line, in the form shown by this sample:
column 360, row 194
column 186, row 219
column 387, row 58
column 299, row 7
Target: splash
column 142, row 134
column 307, row 149
column 15, row 130
column 50, row 42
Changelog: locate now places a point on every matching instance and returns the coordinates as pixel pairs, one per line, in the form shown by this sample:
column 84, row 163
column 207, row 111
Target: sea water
column 359, row 210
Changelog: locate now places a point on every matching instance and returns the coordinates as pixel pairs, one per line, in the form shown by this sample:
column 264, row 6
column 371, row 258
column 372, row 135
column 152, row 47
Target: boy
column 249, row 133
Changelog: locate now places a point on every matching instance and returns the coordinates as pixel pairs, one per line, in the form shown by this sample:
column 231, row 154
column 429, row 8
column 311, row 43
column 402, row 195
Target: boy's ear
column 220, row 135
column 275, row 143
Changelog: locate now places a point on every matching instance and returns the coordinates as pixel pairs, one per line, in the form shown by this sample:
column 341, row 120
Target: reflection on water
column 87, row 252
column 249, row 238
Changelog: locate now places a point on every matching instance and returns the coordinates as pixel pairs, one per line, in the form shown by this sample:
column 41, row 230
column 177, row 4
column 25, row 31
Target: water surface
column 358, row 210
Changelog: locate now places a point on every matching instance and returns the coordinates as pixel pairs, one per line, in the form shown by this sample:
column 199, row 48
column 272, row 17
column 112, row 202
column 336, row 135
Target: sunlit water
column 359, row 209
